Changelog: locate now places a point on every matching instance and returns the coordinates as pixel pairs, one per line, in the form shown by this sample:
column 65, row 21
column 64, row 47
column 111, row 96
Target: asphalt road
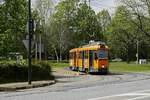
column 71, row 86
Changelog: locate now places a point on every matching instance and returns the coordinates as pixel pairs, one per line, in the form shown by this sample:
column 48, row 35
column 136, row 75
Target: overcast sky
column 98, row 5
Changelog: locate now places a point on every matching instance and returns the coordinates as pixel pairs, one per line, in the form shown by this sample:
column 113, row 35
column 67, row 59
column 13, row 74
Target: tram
column 90, row 58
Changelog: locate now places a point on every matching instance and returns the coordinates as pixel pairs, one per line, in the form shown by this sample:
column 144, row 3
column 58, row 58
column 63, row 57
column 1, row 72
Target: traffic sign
column 26, row 44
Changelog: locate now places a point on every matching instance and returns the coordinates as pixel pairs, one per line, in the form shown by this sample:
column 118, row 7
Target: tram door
column 91, row 59
column 74, row 59
column 83, row 60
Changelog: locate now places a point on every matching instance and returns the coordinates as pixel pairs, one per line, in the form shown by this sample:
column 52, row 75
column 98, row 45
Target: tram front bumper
column 103, row 70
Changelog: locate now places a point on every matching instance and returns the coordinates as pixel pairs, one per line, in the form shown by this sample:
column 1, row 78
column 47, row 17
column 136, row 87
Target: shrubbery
column 19, row 73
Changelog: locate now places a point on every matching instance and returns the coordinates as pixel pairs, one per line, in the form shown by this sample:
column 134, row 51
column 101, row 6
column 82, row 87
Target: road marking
column 136, row 98
column 136, row 93
column 105, row 97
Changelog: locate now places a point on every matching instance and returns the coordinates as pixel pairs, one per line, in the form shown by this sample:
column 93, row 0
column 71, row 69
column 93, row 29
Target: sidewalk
column 24, row 85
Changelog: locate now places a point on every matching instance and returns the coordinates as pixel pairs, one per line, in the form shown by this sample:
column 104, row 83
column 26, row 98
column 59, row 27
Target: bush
column 19, row 73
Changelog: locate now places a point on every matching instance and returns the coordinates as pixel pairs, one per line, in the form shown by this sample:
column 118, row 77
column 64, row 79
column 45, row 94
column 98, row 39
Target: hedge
column 19, row 73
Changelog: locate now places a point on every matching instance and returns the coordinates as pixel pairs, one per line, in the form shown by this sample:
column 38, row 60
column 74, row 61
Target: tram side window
column 80, row 55
column 85, row 54
column 95, row 56
column 77, row 55
column 71, row 55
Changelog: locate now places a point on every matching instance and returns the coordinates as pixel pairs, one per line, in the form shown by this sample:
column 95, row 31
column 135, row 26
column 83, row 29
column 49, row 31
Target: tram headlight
column 103, row 66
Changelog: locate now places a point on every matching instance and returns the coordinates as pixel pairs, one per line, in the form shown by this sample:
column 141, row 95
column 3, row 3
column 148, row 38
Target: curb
column 25, row 86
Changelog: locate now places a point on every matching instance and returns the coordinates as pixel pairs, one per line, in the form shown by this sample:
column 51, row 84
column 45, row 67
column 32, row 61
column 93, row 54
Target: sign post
column 30, row 38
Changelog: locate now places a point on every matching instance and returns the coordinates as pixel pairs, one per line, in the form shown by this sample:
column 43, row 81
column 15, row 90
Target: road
column 71, row 86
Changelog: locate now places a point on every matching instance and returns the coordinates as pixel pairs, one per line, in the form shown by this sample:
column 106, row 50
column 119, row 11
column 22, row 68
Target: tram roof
column 94, row 47
column 73, row 50
column 88, row 47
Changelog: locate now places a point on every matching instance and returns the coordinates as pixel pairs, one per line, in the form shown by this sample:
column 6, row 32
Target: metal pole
column 30, row 36
column 137, row 51
column 40, row 48
column 89, row 3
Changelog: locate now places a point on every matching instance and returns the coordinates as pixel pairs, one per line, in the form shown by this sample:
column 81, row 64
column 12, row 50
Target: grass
column 124, row 67
column 58, row 65
column 114, row 66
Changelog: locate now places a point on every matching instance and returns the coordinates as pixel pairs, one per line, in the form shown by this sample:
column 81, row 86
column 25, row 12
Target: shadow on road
column 110, row 73
column 64, row 79
column 58, row 77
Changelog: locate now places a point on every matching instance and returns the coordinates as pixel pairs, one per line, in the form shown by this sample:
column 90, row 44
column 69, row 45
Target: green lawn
column 124, row 67
column 54, row 64
column 114, row 66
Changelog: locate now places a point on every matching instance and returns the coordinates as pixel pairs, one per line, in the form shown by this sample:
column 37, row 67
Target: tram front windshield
column 103, row 54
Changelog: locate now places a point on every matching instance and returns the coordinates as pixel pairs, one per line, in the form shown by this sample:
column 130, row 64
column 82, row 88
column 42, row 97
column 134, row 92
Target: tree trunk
column 60, row 48
column 56, row 54
column 60, row 56
column 40, row 48
column 36, row 51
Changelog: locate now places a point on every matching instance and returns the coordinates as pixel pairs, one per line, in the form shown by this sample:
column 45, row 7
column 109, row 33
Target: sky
column 98, row 5
column 1, row 1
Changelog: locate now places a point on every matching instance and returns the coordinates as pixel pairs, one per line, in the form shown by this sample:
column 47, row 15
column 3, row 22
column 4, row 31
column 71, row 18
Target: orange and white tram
column 90, row 58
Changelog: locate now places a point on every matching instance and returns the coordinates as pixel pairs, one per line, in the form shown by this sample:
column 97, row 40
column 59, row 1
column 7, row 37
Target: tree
column 44, row 9
column 140, row 10
column 61, row 24
column 13, row 25
column 104, row 19
column 73, row 24
column 123, row 37
column 87, row 25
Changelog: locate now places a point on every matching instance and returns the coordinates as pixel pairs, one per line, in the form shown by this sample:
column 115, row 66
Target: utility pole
column 40, row 47
column 137, row 54
column 30, row 26
column 89, row 3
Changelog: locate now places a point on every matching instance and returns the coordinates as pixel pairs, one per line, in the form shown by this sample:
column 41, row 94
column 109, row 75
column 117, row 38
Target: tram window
column 71, row 55
column 95, row 56
column 80, row 55
column 86, row 54
column 74, row 55
column 103, row 54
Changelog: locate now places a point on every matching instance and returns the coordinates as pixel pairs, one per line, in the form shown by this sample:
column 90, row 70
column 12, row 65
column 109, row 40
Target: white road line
column 136, row 93
column 105, row 97
column 136, row 98
column 120, row 95
column 140, row 94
